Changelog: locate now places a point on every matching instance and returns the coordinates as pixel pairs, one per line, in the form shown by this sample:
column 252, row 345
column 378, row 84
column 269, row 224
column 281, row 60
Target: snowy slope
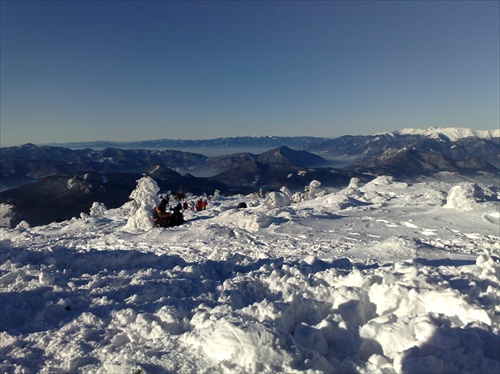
column 452, row 133
column 377, row 278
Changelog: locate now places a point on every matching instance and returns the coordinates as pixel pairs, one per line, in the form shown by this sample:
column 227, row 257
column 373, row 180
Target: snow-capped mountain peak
column 452, row 133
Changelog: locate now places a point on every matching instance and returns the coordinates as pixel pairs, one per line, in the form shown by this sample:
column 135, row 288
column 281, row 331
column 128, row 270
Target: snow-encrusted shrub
column 352, row 189
column 145, row 197
column 23, row 225
column 215, row 196
column 310, row 192
column 277, row 200
column 490, row 193
column 285, row 191
column 354, row 183
column 97, row 210
column 461, row 197
column 6, row 214
column 297, row 197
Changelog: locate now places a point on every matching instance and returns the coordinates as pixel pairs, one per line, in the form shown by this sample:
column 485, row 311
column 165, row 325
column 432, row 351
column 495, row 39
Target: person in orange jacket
column 160, row 216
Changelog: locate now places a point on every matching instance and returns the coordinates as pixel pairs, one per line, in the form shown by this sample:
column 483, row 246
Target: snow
column 6, row 214
column 452, row 133
column 385, row 277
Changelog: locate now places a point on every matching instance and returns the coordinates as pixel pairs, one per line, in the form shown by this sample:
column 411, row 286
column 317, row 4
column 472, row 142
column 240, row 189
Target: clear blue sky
column 95, row 70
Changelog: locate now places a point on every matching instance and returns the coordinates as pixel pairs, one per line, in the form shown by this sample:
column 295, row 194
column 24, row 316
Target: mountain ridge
column 272, row 141
column 452, row 133
column 42, row 171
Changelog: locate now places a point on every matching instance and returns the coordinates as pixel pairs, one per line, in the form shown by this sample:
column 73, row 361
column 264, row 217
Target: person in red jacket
column 201, row 204
column 160, row 216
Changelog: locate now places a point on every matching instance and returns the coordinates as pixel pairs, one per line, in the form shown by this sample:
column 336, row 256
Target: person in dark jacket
column 160, row 216
column 177, row 217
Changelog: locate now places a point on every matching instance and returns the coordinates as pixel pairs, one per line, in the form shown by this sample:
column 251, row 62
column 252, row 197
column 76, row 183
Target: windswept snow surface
column 378, row 278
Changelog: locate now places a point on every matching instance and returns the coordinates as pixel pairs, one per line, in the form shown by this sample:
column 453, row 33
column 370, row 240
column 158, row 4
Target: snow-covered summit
column 452, row 133
column 385, row 277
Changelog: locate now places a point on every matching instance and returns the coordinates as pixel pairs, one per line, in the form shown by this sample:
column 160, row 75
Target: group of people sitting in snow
column 162, row 218
column 165, row 216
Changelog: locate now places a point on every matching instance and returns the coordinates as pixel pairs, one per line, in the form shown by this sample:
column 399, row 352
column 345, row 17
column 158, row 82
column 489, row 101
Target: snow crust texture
column 385, row 277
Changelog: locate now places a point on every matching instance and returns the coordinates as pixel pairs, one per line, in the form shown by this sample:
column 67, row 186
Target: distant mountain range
column 296, row 142
column 46, row 183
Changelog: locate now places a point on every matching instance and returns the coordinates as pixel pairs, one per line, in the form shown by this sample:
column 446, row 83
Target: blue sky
column 84, row 71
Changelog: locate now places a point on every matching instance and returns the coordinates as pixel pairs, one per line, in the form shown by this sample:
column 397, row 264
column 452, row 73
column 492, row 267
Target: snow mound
column 341, row 200
column 250, row 220
column 383, row 180
column 250, row 346
column 393, row 248
column 351, row 196
column 493, row 217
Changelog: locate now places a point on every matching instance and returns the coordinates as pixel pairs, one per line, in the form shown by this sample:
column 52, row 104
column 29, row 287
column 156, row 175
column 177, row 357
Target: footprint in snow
column 428, row 232
column 410, row 225
column 387, row 223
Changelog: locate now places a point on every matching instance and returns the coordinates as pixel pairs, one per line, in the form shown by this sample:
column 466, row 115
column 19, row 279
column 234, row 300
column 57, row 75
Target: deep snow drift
column 380, row 278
